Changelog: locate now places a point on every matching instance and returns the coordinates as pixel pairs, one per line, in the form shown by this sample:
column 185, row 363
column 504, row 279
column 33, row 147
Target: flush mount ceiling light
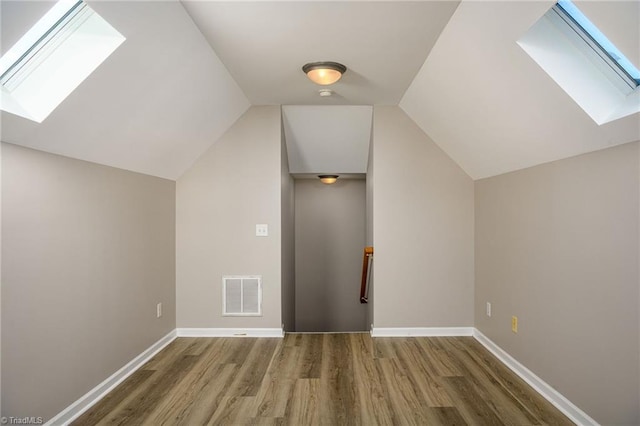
column 328, row 179
column 324, row 73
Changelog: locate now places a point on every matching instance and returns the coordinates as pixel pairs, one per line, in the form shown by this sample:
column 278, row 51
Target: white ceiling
column 486, row 103
column 188, row 70
column 327, row 139
column 154, row 106
column 265, row 44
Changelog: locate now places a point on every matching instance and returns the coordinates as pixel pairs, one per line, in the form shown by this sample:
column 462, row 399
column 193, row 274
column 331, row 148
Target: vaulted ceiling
column 189, row 69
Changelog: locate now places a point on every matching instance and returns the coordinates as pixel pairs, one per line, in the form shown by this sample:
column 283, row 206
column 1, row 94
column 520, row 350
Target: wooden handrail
column 364, row 287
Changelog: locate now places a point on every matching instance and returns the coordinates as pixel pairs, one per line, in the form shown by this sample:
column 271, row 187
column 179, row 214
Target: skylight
column 598, row 41
column 584, row 63
column 57, row 54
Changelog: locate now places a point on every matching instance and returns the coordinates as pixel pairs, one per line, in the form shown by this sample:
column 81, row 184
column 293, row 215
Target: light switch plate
column 262, row 230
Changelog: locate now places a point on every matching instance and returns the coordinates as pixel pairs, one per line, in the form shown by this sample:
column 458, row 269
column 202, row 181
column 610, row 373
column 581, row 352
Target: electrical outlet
column 514, row 324
column 158, row 310
column 488, row 309
column 262, row 230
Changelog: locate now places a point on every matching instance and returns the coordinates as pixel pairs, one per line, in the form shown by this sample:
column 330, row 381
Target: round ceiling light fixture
column 328, row 179
column 324, row 73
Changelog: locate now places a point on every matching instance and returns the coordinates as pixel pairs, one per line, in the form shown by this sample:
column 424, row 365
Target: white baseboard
column 230, row 332
column 421, row 331
column 574, row 413
column 85, row 402
column 330, row 332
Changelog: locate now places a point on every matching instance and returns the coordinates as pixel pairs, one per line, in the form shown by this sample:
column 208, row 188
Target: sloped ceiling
column 265, row 44
column 486, row 103
column 189, row 69
column 154, row 106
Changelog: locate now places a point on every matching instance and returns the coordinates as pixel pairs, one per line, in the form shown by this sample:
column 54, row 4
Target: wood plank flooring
column 323, row 379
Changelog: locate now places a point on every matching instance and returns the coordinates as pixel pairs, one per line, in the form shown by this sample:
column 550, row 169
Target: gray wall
column 557, row 246
column 369, row 236
column 235, row 185
column 288, row 243
column 87, row 253
column 423, row 227
column 330, row 236
column 0, row 279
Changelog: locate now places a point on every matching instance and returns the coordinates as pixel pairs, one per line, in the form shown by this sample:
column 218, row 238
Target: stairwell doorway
column 330, row 233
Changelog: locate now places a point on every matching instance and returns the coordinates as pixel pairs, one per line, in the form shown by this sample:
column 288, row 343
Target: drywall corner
column 88, row 251
column 557, row 245
column 288, row 239
column 235, row 185
column 369, row 230
column 423, row 225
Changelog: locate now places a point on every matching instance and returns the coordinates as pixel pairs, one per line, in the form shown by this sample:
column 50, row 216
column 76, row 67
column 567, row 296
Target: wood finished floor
column 324, row 379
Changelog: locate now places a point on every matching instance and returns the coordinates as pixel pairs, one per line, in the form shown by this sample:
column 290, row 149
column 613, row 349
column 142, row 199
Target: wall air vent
column 242, row 295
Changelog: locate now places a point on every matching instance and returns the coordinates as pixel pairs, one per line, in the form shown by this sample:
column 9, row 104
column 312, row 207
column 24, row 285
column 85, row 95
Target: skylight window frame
column 57, row 29
column 572, row 16
column 53, row 58
column 583, row 74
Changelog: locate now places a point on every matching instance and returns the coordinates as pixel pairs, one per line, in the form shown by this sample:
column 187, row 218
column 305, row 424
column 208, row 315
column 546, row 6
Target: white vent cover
column 242, row 295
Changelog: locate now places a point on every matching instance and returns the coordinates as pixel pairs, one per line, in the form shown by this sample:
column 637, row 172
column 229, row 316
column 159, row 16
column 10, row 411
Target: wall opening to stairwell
column 330, row 233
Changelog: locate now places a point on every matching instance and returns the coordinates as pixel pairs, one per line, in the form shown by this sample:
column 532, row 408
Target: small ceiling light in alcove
column 328, row 179
column 324, row 73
